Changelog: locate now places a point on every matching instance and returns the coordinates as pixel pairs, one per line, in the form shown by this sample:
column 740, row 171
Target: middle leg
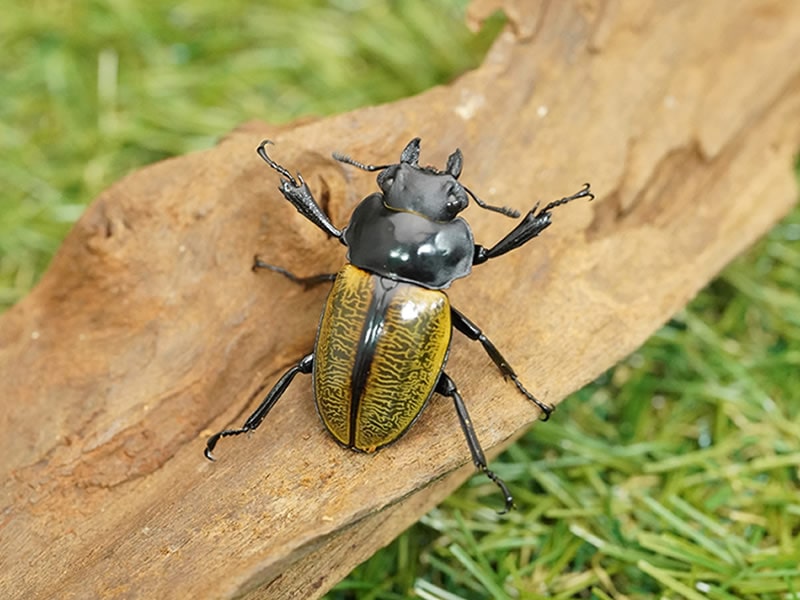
column 473, row 332
column 305, row 281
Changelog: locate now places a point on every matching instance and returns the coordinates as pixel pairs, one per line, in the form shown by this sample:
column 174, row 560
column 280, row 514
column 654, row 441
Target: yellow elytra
column 380, row 349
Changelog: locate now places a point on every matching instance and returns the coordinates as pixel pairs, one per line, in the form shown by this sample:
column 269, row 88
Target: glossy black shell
column 407, row 246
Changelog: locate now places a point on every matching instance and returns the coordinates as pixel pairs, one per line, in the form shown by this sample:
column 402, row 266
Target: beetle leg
column 296, row 191
column 473, row 332
column 446, row 387
column 253, row 421
column 305, row 281
column 531, row 225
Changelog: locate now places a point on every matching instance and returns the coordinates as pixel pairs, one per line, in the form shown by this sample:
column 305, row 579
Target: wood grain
column 149, row 331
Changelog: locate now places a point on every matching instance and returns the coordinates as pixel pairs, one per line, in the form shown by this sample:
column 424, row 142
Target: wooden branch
column 149, row 331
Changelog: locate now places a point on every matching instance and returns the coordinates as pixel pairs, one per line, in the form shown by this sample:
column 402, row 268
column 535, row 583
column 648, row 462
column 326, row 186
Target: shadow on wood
column 149, row 331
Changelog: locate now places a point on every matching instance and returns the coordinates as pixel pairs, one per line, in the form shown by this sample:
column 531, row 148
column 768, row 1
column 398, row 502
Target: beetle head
column 436, row 195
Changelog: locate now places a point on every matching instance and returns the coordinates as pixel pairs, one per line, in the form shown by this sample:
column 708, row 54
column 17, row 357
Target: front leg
column 531, row 225
column 296, row 191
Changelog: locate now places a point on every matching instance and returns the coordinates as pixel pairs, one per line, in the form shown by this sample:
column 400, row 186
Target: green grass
column 675, row 475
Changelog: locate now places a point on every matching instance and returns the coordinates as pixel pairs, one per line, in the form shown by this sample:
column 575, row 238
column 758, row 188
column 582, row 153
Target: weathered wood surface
column 149, row 331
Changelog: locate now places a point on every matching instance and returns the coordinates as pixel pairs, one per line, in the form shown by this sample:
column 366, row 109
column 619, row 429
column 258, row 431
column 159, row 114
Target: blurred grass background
column 675, row 475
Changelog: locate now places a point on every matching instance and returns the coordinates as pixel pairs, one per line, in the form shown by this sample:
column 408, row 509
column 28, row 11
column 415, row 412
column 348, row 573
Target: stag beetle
column 384, row 335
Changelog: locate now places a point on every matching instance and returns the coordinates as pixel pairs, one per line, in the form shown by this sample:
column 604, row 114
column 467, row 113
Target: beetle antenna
column 344, row 158
column 503, row 210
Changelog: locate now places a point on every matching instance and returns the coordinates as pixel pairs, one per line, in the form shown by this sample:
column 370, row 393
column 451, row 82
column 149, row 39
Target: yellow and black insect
column 384, row 336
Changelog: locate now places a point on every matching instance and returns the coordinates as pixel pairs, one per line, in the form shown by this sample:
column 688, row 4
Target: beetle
column 384, row 335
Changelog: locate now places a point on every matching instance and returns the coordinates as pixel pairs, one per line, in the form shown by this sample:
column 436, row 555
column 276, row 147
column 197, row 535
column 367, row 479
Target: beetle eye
column 386, row 178
column 453, row 206
column 455, row 202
